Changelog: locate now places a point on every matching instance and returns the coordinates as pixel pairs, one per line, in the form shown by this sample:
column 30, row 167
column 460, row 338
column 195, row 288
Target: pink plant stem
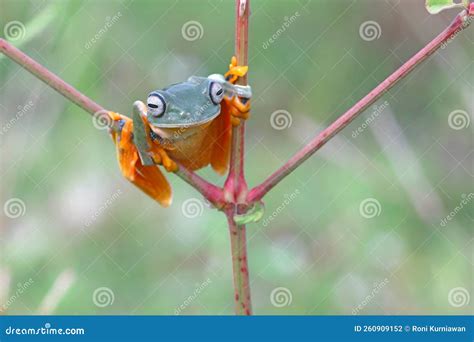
column 235, row 187
column 211, row 192
column 460, row 22
column 238, row 241
column 50, row 78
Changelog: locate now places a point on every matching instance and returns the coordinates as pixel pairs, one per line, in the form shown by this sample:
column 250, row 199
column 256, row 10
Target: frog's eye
column 156, row 105
column 216, row 92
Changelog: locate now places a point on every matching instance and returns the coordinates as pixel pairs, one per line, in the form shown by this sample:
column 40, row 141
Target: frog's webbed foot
column 126, row 149
column 238, row 109
column 146, row 177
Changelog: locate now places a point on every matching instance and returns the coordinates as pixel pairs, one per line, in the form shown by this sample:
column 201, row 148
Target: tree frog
column 188, row 123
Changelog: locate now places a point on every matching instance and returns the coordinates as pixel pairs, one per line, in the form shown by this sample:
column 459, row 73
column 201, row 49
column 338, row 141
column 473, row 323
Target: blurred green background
column 87, row 242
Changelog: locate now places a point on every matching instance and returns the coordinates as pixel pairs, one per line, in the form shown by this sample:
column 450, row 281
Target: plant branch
column 238, row 241
column 50, row 78
column 235, row 187
column 460, row 22
column 211, row 192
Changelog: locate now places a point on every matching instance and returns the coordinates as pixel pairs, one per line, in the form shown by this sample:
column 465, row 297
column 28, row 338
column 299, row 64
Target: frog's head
column 189, row 103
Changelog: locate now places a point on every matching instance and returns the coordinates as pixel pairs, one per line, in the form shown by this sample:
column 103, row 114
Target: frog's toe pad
column 235, row 71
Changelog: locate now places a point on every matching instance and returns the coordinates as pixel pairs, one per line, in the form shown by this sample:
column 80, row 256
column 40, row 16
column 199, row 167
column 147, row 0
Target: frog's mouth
column 175, row 120
column 176, row 134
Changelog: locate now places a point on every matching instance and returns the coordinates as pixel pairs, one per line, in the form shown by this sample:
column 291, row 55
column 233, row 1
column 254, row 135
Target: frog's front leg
column 236, row 107
column 141, row 132
column 150, row 151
